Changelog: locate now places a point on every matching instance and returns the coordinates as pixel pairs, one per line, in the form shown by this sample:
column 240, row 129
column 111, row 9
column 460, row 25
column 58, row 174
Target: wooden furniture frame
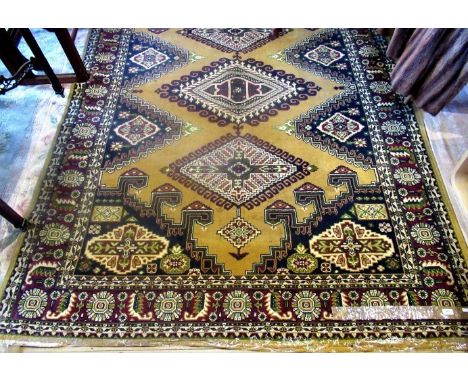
column 21, row 70
column 15, row 61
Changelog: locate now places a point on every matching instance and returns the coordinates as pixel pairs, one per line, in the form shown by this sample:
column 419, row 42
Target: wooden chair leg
column 72, row 54
column 12, row 216
column 42, row 61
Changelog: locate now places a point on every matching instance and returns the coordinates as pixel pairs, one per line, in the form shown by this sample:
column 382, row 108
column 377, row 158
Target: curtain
column 431, row 65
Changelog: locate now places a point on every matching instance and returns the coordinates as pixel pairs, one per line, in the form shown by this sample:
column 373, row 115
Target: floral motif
column 301, row 261
column 374, row 298
column 360, row 142
column 425, row 234
column 84, row 131
column 168, row 306
column 380, row 87
column 32, row 303
column 54, row 234
column 407, row 176
column 105, row 57
column 237, row 305
column 444, row 298
column 96, row 91
column 393, row 127
column 306, row 305
column 100, row 306
column 385, row 227
column 368, row 51
column 175, row 263
column 71, row 178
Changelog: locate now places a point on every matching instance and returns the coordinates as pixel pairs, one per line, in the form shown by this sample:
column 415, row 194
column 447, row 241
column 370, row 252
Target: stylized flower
column 189, row 296
column 150, row 296
column 429, row 281
column 71, row 178
column 380, row 87
column 353, row 111
column 325, row 296
column 194, row 272
column 94, row 229
column 392, row 263
column 393, row 127
column 96, row 91
column 301, row 261
column 385, row 227
column 54, row 234
column 32, row 303
column 151, row 268
column 287, row 295
column 407, row 176
column 368, row 51
column 258, row 295
column 374, row 298
column 394, row 294
column 325, row 267
column 353, row 295
column 360, row 142
column 422, row 294
column 394, row 161
column 444, row 298
column 168, row 306
column 105, row 57
column 49, row 282
column 425, row 234
column 403, row 192
column 306, row 305
column 84, row 131
column 176, row 262
column 116, row 146
column 237, row 305
column 100, row 306
column 217, row 295
column 124, row 114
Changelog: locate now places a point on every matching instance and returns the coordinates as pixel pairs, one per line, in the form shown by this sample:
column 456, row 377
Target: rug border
column 450, row 344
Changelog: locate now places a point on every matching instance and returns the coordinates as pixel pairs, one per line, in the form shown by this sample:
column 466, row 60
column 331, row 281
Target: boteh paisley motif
column 241, row 184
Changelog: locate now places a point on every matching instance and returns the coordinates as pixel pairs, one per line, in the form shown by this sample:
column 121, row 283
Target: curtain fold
column 431, row 65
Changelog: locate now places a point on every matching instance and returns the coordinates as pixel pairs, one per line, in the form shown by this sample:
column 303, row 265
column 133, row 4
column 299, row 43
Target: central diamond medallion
column 233, row 91
column 239, row 171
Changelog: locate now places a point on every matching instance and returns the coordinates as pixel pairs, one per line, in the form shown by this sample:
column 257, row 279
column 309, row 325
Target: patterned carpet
column 238, row 184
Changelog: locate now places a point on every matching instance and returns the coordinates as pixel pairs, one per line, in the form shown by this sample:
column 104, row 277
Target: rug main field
column 238, row 183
